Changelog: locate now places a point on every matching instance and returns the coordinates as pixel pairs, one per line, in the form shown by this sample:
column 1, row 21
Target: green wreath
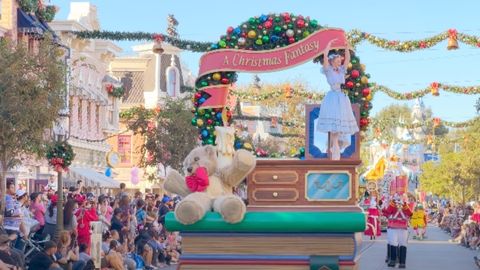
column 60, row 155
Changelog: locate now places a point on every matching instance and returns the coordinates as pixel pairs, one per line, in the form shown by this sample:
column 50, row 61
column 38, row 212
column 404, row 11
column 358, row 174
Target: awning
column 28, row 24
column 94, row 178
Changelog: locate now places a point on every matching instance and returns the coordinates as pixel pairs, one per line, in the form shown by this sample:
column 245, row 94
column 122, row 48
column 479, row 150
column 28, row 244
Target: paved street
column 434, row 253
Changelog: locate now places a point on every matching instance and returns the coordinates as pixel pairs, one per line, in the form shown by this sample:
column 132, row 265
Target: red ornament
column 366, row 92
column 259, row 27
column 349, row 84
column 229, row 30
column 109, row 88
column 243, row 34
column 364, row 122
column 286, row 15
column 209, row 121
column 422, row 44
column 268, row 24
column 300, row 23
column 229, row 114
column 291, row 40
column 225, row 81
column 366, row 105
column 198, row 95
column 355, row 74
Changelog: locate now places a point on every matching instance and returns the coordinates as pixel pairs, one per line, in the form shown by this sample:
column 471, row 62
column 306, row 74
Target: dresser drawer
column 275, row 177
column 275, row 194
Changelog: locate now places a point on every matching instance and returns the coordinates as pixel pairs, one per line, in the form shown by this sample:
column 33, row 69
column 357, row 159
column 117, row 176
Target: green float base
column 276, row 222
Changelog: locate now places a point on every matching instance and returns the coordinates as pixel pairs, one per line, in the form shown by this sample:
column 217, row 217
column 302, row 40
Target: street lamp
column 61, row 133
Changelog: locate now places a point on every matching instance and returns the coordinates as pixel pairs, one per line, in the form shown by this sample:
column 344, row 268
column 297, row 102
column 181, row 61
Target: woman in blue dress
column 336, row 115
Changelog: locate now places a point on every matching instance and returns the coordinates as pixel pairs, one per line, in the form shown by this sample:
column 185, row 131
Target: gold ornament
column 349, row 66
column 363, row 67
column 216, row 76
column 369, row 97
column 252, row 34
column 364, row 80
column 199, row 122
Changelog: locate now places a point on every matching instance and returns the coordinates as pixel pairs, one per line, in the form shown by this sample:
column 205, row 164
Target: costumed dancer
column 373, row 224
column 419, row 222
column 398, row 213
column 86, row 213
column 336, row 115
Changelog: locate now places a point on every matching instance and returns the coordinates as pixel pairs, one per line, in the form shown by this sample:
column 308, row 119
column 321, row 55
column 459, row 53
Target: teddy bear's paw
column 245, row 159
column 233, row 210
column 188, row 212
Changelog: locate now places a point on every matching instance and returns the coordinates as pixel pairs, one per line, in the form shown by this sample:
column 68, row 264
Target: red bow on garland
column 198, row 181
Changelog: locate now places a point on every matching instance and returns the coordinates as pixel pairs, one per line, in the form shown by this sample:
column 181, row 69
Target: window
column 80, row 115
column 89, row 117
column 97, row 119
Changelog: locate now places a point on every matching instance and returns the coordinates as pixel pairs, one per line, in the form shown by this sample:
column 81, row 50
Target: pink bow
column 198, row 181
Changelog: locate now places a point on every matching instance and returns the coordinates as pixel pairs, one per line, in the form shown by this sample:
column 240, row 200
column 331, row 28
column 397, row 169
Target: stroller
column 33, row 245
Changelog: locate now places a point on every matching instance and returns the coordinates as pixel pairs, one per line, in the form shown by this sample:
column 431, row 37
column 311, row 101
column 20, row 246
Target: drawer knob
column 275, row 194
column 275, row 177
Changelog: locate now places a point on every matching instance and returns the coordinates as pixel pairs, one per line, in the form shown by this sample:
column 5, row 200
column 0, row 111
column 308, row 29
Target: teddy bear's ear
column 210, row 150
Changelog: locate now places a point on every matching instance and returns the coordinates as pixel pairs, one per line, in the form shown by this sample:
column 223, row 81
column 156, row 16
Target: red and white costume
column 373, row 222
column 398, row 214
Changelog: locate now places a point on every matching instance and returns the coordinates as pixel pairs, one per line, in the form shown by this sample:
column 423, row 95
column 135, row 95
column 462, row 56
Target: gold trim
column 276, row 182
column 263, row 51
column 275, row 199
column 330, row 200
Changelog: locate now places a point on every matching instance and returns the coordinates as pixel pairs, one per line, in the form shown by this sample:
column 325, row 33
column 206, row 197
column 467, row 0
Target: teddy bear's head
column 202, row 156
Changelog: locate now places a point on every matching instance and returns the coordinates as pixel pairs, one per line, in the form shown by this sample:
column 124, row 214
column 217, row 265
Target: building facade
column 93, row 111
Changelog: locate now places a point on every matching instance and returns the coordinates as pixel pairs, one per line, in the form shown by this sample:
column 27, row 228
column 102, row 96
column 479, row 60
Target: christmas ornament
column 216, row 76
column 252, row 34
column 241, row 41
column 355, row 74
column 290, row 33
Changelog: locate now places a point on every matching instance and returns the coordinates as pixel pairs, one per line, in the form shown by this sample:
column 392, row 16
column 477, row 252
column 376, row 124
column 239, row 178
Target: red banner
column 272, row 60
column 266, row 61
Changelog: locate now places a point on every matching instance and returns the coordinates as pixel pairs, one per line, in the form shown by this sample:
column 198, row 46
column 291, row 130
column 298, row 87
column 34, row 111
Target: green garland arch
column 268, row 32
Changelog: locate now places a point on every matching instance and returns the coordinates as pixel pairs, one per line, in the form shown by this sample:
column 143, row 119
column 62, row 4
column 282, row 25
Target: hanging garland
column 60, row 155
column 433, row 89
column 189, row 45
column 249, row 96
column 354, row 36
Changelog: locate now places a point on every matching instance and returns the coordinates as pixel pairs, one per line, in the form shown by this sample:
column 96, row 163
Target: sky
column 206, row 20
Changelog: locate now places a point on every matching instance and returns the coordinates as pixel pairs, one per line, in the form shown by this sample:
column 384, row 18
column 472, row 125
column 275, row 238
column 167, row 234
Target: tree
column 31, row 94
column 457, row 175
column 169, row 135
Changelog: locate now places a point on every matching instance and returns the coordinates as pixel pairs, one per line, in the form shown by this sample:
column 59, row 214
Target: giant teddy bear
column 208, row 186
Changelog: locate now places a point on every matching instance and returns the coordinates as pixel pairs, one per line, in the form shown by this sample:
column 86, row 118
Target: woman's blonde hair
column 64, row 239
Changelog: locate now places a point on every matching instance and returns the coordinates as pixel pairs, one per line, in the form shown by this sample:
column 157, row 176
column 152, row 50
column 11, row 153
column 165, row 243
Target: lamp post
column 61, row 133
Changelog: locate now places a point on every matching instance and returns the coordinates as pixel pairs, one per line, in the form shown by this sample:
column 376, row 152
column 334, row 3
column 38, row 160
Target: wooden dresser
column 303, row 185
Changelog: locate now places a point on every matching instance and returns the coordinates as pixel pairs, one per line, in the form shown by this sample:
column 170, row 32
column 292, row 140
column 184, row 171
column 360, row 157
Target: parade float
column 301, row 213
